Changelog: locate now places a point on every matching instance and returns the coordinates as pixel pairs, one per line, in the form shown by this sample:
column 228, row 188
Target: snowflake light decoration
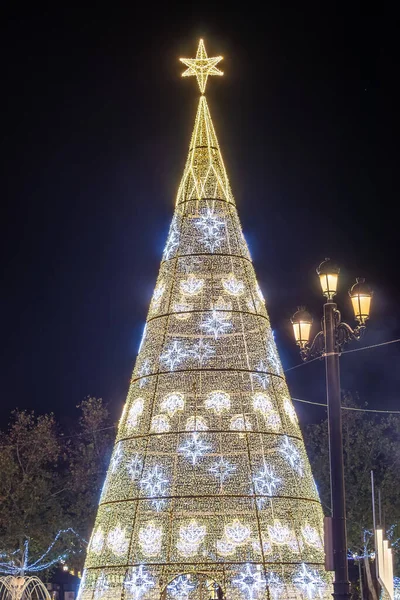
column 135, row 466
column 97, row 543
column 213, row 240
column 157, row 296
column 172, row 241
column 311, row 536
column 250, row 581
column 194, row 447
column 196, row 423
column 210, row 222
column 292, row 455
column 309, row 582
column 233, row 286
column 155, row 485
column 135, row 413
column 174, row 355
column 216, row 324
column 266, row 482
column 172, row 403
column 211, row 227
column 116, row 457
column 150, row 538
column 190, row 538
column 181, row 586
column 138, row 583
column 117, row 541
column 240, row 423
column 237, row 533
column 261, row 375
column 225, row 548
column 160, row 424
column 218, row 401
column 290, row 411
column 278, row 533
column 275, row 585
column 262, row 403
column 191, row 286
column 222, row 469
column 102, row 585
column 143, row 371
column 202, row 351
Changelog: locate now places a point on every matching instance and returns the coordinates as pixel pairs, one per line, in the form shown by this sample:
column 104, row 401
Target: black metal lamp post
column 328, row 343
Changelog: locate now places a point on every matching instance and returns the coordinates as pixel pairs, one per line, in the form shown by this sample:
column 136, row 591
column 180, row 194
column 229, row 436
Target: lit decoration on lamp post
column 205, row 476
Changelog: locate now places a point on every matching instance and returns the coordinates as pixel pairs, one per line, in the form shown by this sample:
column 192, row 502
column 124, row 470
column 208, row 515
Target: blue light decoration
column 9, row 567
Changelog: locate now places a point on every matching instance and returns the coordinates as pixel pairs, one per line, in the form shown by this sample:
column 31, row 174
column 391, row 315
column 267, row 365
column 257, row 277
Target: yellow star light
column 201, row 66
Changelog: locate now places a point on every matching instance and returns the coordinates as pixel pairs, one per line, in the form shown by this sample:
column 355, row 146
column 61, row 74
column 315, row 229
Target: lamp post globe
column 328, row 272
column 361, row 297
column 302, row 322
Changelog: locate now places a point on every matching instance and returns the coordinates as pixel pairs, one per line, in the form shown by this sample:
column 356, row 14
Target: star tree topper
column 201, row 66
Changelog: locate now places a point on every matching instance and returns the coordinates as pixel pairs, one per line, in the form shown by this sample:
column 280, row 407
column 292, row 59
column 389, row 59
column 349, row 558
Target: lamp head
column 301, row 321
column 361, row 296
column 328, row 272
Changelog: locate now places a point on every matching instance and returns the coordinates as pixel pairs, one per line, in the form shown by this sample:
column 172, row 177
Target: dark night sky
column 95, row 129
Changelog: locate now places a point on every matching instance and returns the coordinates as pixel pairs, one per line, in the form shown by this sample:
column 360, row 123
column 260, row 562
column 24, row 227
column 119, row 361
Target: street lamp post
column 329, row 343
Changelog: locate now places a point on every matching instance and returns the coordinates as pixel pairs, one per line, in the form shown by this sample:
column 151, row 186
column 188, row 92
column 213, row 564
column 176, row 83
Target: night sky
column 96, row 123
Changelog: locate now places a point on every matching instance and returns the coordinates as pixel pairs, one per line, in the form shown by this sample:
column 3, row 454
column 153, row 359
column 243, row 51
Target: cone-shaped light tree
column 209, row 492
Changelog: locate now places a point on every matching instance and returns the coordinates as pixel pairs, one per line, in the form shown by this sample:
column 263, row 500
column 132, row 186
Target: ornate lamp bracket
column 344, row 334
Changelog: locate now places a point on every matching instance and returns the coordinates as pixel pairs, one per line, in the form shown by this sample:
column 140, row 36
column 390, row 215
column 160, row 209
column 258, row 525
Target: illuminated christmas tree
column 209, row 492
